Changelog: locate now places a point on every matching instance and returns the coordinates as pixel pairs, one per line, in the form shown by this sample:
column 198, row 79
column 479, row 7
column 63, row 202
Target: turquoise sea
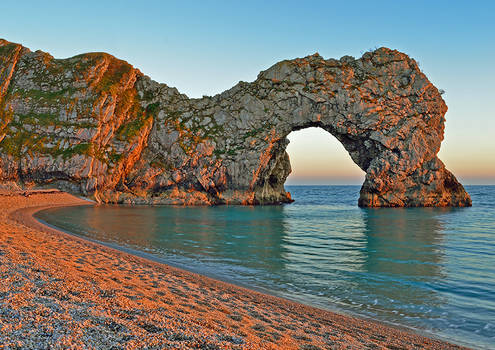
column 431, row 269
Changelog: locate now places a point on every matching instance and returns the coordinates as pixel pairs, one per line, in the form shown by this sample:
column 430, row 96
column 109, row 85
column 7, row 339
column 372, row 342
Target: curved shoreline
column 231, row 282
column 252, row 319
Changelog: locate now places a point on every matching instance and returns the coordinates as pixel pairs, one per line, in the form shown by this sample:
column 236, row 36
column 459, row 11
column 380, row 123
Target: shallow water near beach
column 431, row 269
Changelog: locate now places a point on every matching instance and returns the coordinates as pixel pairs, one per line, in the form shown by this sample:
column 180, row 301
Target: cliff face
column 96, row 126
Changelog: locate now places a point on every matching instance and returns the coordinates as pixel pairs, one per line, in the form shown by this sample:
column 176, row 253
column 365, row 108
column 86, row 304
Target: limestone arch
column 381, row 107
column 95, row 125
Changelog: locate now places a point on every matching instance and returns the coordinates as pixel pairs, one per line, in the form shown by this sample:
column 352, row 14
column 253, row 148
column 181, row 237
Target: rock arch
column 103, row 129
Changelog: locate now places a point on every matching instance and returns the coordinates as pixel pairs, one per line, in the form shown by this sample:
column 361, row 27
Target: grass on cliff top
column 48, row 70
column 117, row 72
column 7, row 50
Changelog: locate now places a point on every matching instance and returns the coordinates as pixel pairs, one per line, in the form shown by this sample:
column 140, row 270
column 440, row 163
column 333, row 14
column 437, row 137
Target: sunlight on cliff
column 318, row 158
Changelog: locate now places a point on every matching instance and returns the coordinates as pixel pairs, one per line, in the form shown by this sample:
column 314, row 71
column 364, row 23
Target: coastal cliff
column 93, row 125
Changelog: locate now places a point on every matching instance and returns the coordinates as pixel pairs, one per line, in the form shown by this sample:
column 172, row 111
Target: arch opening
column 308, row 154
column 318, row 158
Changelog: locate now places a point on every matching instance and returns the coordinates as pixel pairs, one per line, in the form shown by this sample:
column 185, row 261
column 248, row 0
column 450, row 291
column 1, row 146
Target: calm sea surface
column 431, row 269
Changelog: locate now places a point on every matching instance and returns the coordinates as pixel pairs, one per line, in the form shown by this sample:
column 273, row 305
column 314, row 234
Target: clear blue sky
column 203, row 48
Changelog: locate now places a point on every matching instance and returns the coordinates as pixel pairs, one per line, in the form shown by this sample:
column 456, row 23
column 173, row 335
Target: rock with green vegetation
column 93, row 125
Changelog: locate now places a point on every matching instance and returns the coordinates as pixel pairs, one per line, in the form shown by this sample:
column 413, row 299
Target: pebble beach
column 59, row 291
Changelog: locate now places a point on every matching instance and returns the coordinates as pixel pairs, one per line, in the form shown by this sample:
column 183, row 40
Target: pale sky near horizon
column 203, row 48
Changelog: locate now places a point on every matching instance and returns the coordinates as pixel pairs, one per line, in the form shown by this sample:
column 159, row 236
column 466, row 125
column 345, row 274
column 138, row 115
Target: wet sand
column 60, row 291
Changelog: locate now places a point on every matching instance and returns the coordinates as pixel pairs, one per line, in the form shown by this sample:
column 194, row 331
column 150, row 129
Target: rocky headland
column 93, row 125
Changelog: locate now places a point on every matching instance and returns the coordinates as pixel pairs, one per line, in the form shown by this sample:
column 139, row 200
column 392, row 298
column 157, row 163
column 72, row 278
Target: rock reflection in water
column 404, row 258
